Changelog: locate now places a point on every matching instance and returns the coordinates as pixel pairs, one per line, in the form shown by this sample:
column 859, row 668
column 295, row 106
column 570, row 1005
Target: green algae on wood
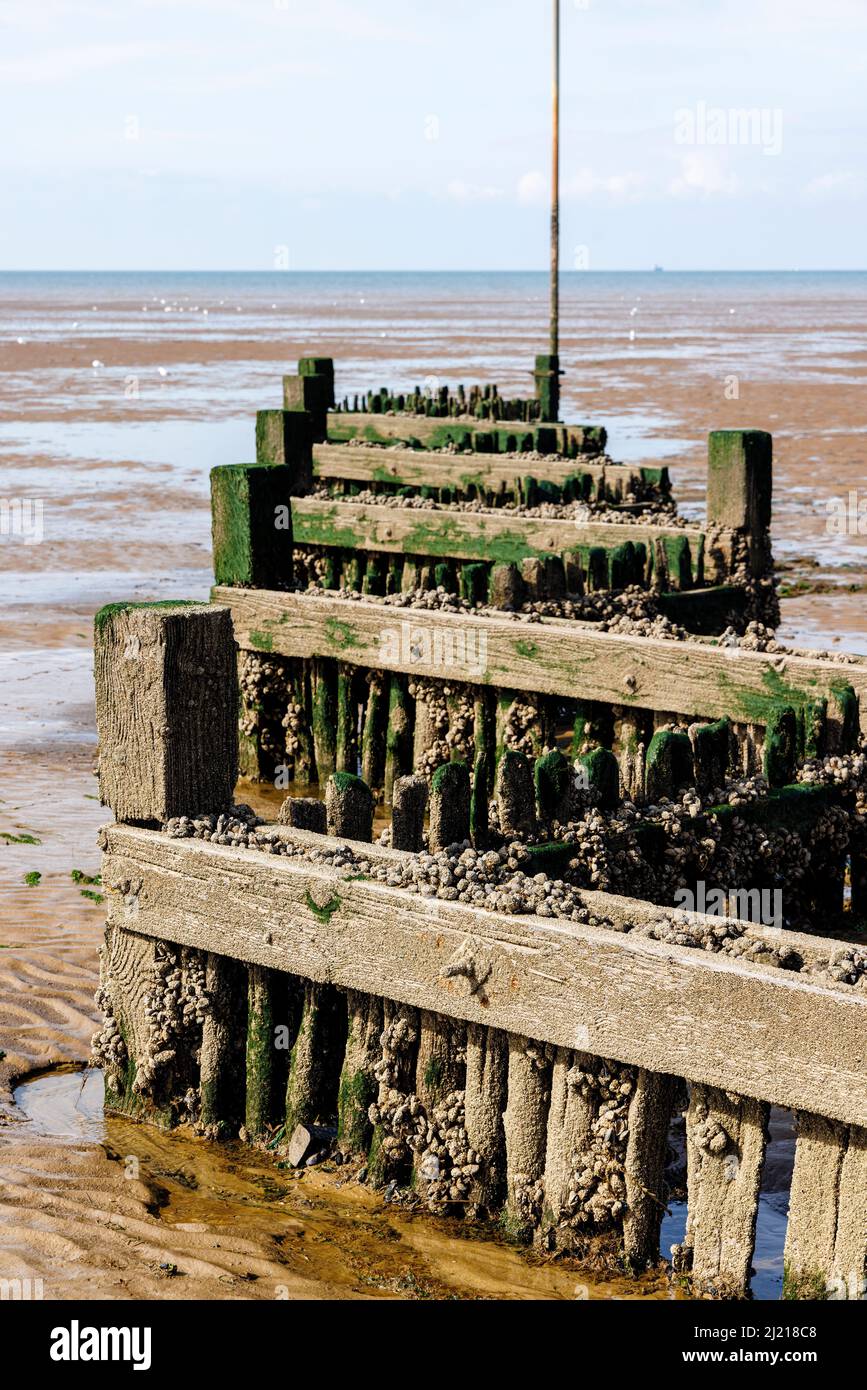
column 603, row 776
column 323, row 912
column 104, row 615
column 373, row 746
column 669, row 763
column 739, row 479
column 258, row 1112
column 479, row 802
column 781, row 747
column 449, row 805
column 357, row 1089
column 323, row 718
column 711, row 747
column 398, row 738
column 252, row 524
column 285, row 437
column 552, row 776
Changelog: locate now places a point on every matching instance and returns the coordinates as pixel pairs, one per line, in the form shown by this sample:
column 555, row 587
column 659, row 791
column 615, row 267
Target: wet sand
column 123, row 479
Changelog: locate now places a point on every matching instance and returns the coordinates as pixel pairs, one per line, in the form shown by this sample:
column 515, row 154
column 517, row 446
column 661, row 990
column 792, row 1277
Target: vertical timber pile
column 726, row 1137
column 739, row 489
column 166, row 713
column 826, row 1236
column 166, row 710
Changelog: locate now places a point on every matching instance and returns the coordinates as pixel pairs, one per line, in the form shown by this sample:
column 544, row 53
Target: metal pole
column 555, row 192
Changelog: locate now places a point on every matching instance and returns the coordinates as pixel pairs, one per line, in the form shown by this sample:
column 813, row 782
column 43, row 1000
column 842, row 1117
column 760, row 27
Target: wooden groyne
column 502, row 1002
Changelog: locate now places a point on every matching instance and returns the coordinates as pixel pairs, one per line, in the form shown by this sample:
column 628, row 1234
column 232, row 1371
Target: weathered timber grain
column 484, row 472
column 498, row 537
column 554, row 657
column 166, row 709
column 754, row 1030
column 251, row 524
column 524, row 1124
column 222, row 1055
column 484, row 1104
column 726, row 1137
column 409, row 804
column 358, row 1084
column 316, row 1057
column 826, row 1236
column 449, row 806
column 646, row 1155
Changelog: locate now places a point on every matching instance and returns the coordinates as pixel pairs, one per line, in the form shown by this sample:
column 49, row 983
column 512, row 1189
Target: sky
column 391, row 134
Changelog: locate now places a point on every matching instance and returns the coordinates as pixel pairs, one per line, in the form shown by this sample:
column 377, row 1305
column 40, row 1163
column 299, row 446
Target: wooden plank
column 553, row 657
column 435, row 431
column 498, row 536
column 623, row 913
column 778, row 1036
column 414, row 468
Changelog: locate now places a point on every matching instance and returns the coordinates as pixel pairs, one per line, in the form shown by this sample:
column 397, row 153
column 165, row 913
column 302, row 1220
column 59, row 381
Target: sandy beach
column 118, row 455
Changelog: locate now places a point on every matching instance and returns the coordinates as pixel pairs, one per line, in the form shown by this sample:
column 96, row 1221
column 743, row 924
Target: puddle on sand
column 324, row 1225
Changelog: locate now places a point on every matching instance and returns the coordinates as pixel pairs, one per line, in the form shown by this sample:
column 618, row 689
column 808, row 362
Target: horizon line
column 431, row 270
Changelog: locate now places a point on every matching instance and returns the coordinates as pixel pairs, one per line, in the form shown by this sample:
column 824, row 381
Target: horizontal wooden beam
column 440, row 531
column 552, row 657
column 757, row 1031
column 415, row 468
column 436, row 431
column 623, row 913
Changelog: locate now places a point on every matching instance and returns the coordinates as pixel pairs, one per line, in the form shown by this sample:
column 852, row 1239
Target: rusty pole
column 547, row 373
column 555, row 192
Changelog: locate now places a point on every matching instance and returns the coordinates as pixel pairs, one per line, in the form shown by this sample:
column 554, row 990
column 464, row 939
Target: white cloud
column 533, row 187
column 55, row 64
column 843, row 183
column 461, row 192
column 584, row 183
column 703, row 173
column 241, row 78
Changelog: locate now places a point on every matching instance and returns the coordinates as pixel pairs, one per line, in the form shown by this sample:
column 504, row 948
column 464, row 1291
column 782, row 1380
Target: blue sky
column 393, row 134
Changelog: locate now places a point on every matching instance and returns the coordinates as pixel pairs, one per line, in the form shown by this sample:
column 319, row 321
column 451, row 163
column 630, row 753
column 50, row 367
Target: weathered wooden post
column 285, row 437
column 166, row 709
column 167, row 720
column 739, row 488
column 251, row 524
column 826, row 1236
column 312, row 391
column 726, row 1137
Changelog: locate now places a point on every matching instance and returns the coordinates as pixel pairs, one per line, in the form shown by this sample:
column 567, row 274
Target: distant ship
column 657, row 270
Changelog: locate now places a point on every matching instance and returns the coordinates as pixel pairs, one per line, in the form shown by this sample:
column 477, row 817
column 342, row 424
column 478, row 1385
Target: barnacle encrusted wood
column 166, row 708
column 826, row 1236
column 459, row 1009
column 419, row 468
column 777, row 1035
column 557, row 657
column 493, row 536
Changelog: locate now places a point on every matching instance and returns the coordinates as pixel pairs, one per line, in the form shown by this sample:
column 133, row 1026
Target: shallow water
column 352, row 1240
column 224, row 1183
